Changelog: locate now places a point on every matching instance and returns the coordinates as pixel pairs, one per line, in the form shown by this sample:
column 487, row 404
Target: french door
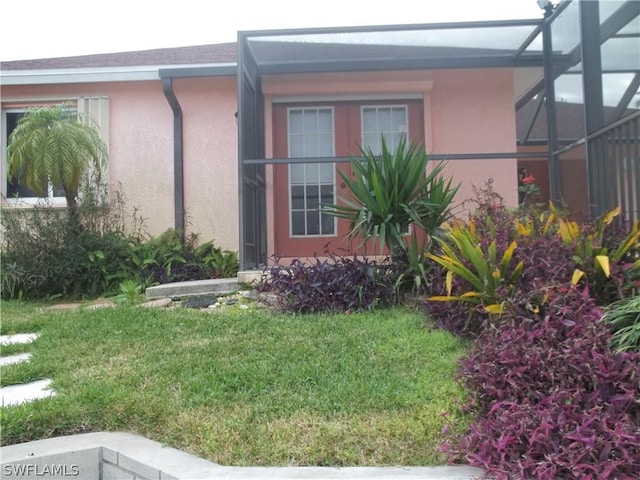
column 336, row 129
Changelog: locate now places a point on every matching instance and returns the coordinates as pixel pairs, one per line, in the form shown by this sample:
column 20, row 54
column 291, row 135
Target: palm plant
column 53, row 145
column 391, row 191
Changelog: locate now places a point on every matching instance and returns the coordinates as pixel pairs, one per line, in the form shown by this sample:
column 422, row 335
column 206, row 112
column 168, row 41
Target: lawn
column 243, row 387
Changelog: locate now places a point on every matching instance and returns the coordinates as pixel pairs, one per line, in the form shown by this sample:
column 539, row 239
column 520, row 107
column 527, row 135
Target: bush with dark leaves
column 332, row 284
column 551, row 398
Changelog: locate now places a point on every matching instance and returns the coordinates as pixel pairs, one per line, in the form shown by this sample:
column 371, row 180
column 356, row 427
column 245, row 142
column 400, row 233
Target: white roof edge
column 91, row 75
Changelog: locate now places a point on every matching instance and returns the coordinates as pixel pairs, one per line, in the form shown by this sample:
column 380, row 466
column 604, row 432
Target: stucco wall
column 141, row 149
column 473, row 111
column 211, row 157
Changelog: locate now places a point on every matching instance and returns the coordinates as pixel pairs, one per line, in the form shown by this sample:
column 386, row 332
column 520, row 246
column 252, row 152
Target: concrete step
column 13, row 359
column 251, row 277
column 220, row 286
column 18, row 338
column 25, row 392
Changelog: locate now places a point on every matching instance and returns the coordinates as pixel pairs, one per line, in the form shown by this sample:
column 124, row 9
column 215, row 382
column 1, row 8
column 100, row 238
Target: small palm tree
column 52, row 145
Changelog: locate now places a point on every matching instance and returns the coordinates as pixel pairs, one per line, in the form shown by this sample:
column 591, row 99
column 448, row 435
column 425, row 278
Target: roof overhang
column 113, row 74
column 219, row 70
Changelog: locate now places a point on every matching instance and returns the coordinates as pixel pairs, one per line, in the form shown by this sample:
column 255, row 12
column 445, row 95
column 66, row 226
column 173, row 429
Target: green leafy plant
column 45, row 256
column 605, row 254
column 489, row 274
column 130, row 292
column 624, row 318
column 169, row 258
column 221, row 263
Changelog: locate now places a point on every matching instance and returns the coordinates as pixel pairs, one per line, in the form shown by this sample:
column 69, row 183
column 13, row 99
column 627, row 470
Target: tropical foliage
column 529, row 288
column 487, row 271
column 490, row 256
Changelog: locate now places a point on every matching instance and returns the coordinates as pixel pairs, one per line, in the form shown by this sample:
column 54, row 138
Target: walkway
column 24, row 392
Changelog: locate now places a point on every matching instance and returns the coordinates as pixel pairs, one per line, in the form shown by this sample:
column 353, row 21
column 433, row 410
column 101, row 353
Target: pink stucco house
column 239, row 142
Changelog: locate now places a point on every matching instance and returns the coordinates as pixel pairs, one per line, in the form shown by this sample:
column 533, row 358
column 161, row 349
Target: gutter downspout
column 178, row 139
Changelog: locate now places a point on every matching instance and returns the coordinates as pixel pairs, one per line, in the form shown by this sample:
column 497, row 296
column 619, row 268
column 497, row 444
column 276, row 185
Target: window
column 12, row 188
column 390, row 121
column 311, row 134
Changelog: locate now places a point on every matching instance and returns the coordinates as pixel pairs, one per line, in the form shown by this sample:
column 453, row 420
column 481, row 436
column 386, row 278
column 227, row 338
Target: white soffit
column 91, row 75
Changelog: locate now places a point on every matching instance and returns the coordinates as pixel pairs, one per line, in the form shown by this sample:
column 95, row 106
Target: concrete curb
column 120, row 455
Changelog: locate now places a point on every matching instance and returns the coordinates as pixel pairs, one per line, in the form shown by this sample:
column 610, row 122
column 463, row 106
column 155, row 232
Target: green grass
column 243, row 387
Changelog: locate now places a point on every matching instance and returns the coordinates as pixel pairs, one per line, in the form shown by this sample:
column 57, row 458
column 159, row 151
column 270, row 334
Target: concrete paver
column 25, row 392
column 18, row 338
column 13, row 359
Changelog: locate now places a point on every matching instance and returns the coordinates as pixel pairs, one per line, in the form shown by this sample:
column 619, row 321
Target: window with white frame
column 311, row 134
column 96, row 107
column 388, row 120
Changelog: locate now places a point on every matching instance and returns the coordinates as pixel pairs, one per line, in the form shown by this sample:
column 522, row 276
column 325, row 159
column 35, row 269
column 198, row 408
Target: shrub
column 170, row 258
column 334, row 284
column 391, row 191
column 547, row 261
column 606, row 254
column 485, row 262
column 552, row 399
column 544, row 260
column 490, row 273
column 624, row 318
column 43, row 255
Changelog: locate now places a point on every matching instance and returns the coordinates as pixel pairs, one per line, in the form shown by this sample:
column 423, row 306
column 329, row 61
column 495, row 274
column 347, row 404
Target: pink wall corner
column 473, row 111
column 210, row 158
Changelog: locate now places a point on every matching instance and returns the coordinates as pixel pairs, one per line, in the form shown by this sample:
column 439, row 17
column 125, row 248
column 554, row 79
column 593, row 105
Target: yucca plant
column 391, row 191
